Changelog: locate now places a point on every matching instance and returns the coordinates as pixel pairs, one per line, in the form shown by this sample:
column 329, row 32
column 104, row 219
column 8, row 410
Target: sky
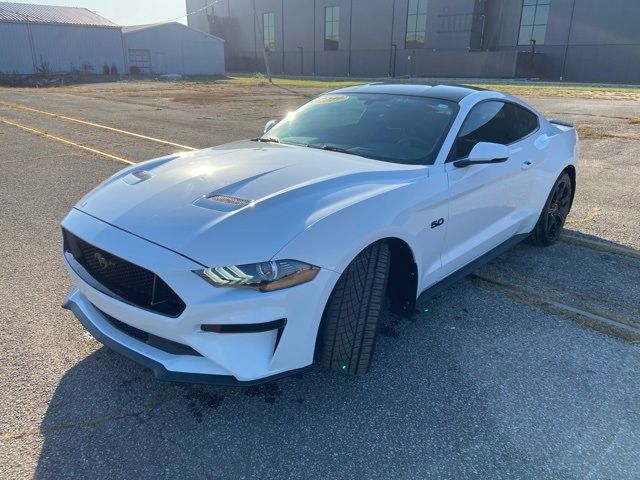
column 126, row 12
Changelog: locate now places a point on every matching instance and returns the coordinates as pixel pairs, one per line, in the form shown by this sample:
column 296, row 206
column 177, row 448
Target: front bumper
column 218, row 358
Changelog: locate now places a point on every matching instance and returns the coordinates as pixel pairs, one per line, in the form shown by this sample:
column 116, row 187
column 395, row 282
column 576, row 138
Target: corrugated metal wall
column 15, row 49
column 178, row 49
column 23, row 47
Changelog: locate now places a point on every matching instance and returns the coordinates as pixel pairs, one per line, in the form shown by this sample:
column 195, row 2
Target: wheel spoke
column 563, row 193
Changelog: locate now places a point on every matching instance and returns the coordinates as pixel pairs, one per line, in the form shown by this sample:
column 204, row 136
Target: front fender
column 334, row 241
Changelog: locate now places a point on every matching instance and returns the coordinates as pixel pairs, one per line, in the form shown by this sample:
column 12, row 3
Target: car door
column 488, row 203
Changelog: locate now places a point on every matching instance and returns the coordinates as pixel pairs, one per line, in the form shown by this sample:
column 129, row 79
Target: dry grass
column 260, row 79
column 220, row 88
column 583, row 92
column 589, row 132
column 567, row 91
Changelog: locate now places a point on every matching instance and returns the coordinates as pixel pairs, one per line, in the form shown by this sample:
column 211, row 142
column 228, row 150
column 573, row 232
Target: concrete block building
column 572, row 40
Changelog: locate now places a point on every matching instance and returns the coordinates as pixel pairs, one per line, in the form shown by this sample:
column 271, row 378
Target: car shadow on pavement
column 475, row 385
column 412, row 413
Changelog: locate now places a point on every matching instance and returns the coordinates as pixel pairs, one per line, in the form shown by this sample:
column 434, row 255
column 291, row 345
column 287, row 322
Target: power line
column 194, row 12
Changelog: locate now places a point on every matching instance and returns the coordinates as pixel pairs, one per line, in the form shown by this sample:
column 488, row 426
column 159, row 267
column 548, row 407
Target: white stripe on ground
column 65, row 141
column 96, row 125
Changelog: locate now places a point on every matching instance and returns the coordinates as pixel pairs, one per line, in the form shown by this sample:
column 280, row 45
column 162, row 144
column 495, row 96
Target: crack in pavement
column 148, row 406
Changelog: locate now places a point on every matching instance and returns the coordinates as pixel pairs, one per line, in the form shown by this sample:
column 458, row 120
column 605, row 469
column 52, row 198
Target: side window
column 495, row 122
column 525, row 122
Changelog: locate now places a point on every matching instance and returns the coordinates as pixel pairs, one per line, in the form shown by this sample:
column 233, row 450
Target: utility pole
column 264, row 47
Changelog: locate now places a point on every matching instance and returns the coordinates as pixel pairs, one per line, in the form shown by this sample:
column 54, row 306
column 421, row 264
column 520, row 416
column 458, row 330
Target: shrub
column 114, row 69
column 260, row 79
column 43, row 69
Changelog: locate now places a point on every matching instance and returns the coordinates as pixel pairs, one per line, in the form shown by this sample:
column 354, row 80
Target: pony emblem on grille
column 103, row 262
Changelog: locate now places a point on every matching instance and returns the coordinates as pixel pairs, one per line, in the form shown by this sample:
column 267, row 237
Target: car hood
column 241, row 202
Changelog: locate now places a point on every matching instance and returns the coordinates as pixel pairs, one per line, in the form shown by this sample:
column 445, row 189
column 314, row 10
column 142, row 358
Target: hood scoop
column 222, row 203
column 137, row 177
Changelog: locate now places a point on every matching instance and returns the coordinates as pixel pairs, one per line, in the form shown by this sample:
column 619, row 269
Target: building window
column 416, row 24
column 533, row 22
column 331, row 28
column 269, row 31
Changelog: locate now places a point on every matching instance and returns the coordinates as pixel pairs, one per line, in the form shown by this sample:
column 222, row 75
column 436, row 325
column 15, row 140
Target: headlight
column 266, row 276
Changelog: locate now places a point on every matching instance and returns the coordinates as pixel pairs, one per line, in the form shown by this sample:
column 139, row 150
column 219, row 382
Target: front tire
column 554, row 214
column 352, row 316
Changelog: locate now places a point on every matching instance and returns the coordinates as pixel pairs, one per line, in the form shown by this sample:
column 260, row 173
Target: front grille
column 132, row 283
column 160, row 343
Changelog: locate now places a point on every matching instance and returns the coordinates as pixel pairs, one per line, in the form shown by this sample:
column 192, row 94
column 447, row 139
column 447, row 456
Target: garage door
column 141, row 59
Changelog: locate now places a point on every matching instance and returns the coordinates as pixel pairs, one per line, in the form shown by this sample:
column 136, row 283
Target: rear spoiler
column 561, row 122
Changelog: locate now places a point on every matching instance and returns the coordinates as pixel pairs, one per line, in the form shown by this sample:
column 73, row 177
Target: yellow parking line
column 65, row 141
column 96, row 125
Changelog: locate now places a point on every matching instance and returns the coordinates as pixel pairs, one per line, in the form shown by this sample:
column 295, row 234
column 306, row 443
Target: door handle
column 527, row 164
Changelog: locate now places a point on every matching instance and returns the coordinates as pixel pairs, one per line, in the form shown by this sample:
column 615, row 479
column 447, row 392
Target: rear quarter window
column 525, row 122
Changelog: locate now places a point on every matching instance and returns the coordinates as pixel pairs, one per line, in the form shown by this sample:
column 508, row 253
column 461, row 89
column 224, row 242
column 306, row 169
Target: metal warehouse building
column 574, row 40
column 58, row 39
column 173, row 48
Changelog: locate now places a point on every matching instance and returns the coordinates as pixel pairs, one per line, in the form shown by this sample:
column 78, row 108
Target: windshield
column 393, row 128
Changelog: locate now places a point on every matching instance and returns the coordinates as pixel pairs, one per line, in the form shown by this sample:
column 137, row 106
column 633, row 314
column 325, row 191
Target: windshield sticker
column 331, row 99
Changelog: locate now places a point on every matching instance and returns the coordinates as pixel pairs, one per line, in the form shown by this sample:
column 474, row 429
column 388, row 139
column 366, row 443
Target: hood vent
column 238, row 202
column 222, row 203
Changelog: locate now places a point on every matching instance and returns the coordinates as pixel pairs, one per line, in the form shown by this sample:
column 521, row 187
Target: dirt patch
column 179, row 94
column 586, row 132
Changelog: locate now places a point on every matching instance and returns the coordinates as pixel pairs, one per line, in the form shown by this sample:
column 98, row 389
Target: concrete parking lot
column 508, row 374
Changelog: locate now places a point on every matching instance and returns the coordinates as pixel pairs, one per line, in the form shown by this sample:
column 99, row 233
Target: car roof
column 453, row 93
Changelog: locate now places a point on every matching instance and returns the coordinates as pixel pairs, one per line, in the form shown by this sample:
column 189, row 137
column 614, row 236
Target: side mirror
column 269, row 125
column 484, row 152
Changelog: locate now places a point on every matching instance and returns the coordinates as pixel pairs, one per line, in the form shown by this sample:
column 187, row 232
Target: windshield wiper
column 267, row 140
column 333, row 148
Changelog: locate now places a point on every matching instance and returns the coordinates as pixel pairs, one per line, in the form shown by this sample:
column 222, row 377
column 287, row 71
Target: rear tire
column 353, row 313
column 554, row 214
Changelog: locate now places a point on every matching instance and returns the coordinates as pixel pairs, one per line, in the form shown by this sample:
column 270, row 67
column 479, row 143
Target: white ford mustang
column 244, row 262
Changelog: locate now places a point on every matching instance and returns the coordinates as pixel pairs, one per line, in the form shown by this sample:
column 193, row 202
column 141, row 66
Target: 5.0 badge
column 437, row 223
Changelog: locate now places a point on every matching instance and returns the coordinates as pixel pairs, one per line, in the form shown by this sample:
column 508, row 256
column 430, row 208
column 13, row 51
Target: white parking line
column 65, row 141
column 96, row 125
